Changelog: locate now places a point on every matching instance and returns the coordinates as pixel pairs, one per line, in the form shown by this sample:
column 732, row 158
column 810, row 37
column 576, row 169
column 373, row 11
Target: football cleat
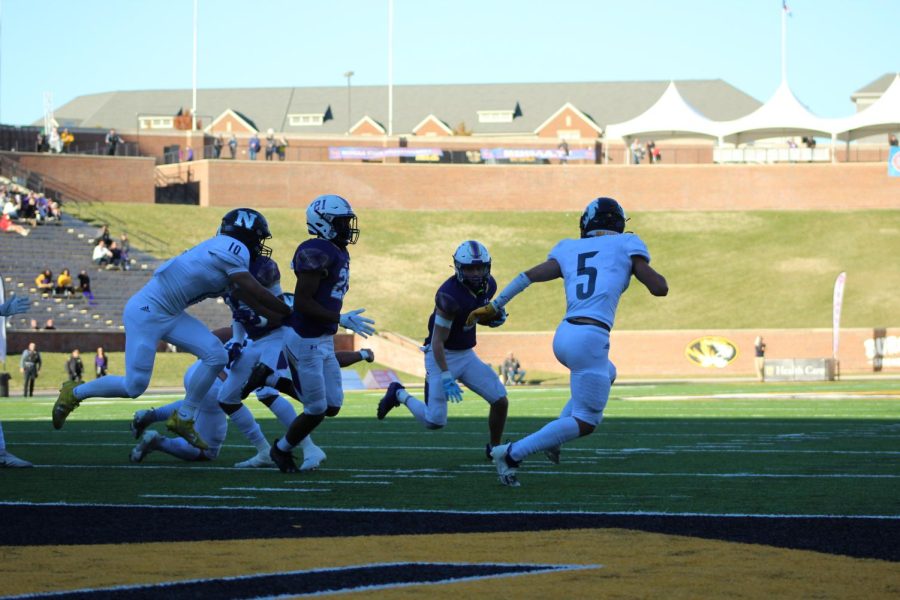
column 255, row 462
column 185, row 428
column 552, row 454
column 65, row 403
column 487, row 451
column 140, row 421
column 389, row 400
column 11, row 461
column 505, row 472
column 312, row 458
column 148, row 443
column 283, row 460
column 258, row 376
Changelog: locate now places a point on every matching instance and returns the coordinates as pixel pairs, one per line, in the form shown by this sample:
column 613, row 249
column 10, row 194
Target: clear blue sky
column 76, row 47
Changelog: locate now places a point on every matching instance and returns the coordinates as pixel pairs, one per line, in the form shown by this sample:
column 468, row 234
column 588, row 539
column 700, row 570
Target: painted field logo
column 711, row 351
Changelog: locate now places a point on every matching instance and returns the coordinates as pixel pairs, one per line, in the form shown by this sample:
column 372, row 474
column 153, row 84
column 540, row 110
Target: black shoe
column 487, row 452
column 283, row 460
column 257, row 379
column 389, row 401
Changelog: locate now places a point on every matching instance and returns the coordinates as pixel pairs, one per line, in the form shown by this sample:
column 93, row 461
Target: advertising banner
column 373, row 153
column 894, row 162
column 799, row 369
column 836, row 313
column 488, row 154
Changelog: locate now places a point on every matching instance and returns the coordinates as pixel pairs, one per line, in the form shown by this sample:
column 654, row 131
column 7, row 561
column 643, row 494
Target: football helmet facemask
column 332, row 218
column 248, row 226
column 472, row 262
column 602, row 214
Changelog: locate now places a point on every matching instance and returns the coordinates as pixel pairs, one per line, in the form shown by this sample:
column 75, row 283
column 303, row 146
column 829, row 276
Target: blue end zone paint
column 312, row 582
column 97, row 524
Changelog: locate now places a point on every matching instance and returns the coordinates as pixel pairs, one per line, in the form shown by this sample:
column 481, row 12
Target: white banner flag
column 838, row 303
column 2, row 326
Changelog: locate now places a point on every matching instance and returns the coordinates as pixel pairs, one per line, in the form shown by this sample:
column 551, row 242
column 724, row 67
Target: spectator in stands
column 270, row 144
column 54, row 140
column 6, row 224
column 43, row 208
column 49, row 325
column 281, row 148
column 125, row 247
column 67, row 138
column 28, row 211
column 101, row 255
column 112, row 142
column 54, row 212
column 44, row 281
column 34, row 325
column 11, row 207
column 564, row 148
column 232, row 145
column 101, row 363
column 651, row 146
column 892, row 141
column 40, row 142
column 64, row 283
column 512, row 371
column 84, row 286
column 103, row 234
column 217, row 146
column 75, row 366
column 30, row 366
column 637, row 152
column 115, row 256
column 254, row 146
column 187, row 154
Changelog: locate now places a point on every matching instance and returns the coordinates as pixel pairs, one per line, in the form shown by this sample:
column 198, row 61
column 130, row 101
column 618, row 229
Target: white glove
column 361, row 325
column 14, row 306
column 452, row 391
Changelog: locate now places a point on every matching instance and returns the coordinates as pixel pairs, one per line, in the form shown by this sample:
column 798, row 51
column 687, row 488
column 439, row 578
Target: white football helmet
column 332, row 218
column 472, row 253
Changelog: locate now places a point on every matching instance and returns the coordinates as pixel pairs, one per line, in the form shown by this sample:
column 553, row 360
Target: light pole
column 348, row 75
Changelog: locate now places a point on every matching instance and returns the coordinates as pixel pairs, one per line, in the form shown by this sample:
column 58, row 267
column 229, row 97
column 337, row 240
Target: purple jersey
column 454, row 298
column 333, row 262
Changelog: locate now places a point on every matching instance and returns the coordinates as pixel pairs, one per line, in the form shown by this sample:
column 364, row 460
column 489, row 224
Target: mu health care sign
column 799, row 369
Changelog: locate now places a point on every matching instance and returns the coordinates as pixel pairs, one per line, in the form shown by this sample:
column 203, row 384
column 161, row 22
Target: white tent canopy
column 671, row 116
column 883, row 116
column 782, row 116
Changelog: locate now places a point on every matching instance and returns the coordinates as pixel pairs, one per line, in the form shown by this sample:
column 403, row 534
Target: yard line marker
column 273, row 489
column 459, row 512
column 193, row 496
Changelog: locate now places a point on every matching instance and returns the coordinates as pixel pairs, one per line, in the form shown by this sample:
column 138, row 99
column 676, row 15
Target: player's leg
column 145, row 417
column 585, row 351
column 306, row 358
column 481, row 379
column 8, row 460
column 553, row 454
column 230, row 402
column 192, row 335
column 143, row 330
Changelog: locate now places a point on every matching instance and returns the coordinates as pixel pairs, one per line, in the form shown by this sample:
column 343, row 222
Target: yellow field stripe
column 635, row 564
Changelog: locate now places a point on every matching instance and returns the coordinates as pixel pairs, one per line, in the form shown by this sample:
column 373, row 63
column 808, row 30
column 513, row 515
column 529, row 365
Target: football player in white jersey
column 157, row 312
column 596, row 270
column 14, row 306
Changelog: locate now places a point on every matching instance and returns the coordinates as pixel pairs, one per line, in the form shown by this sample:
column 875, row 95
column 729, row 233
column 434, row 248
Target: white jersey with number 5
column 197, row 273
column 596, row 271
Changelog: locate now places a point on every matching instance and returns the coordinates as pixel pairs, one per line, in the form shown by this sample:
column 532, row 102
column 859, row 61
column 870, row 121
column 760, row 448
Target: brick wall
column 106, row 178
column 524, row 187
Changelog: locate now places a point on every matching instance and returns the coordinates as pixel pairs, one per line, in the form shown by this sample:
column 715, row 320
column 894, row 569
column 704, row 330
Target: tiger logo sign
column 711, row 351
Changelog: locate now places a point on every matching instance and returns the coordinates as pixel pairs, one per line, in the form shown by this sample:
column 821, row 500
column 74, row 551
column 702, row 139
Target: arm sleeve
column 310, row 257
column 446, row 302
column 637, row 247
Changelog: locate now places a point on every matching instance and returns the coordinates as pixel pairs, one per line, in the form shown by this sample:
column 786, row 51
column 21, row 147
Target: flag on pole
column 786, row 8
column 836, row 314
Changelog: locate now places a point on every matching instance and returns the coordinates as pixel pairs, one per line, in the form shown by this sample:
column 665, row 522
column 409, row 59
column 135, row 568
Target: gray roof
column 875, row 88
column 604, row 102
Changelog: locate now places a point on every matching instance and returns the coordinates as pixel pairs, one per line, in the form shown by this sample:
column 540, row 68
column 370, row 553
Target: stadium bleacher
column 69, row 245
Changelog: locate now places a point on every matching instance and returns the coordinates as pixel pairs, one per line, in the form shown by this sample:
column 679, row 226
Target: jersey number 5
column 585, row 290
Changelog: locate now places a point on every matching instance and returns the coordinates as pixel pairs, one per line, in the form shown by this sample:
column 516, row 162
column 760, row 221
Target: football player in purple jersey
column 322, row 266
column 449, row 348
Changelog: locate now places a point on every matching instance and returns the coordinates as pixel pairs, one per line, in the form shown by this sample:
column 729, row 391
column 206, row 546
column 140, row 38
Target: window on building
column 157, row 122
column 306, row 120
column 568, row 134
column 495, row 116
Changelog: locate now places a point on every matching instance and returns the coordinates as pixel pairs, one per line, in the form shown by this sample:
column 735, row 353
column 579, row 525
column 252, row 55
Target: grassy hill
column 725, row 269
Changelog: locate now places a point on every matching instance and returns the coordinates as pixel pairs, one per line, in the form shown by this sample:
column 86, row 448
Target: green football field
column 710, row 448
